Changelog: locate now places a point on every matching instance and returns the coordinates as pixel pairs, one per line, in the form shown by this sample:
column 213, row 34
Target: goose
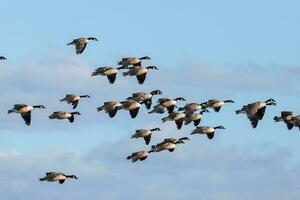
column 216, row 104
column 190, row 108
column 80, row 43
column 145, row 133
column 110, row 107
column 145, row 98
column 169, row 145
column 195, row 117
column 110, row 72
column 169, row 103
column 178, row 117
column 25, row 111
column 173, row 140
column 2, row 58
column 139, row 72
column 64, row 115
column 158, row 109
column 287, row 118
column 209, row 131
column 296, row 121
column 255, row 111
column 73, row 99
column 57, row 176
column 125, row 62
column 132, row 106
column 140, row 155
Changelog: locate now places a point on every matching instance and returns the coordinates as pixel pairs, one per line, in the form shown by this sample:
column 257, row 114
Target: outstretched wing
column 75, row 103
column 147, row 139
column 111, row 78
column 210, row 135
column 134, row 112
column 80, row 47
column 141, row 78
column 27, row 117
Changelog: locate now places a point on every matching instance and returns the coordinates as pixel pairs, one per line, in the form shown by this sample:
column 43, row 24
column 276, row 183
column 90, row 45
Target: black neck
column 84, row 96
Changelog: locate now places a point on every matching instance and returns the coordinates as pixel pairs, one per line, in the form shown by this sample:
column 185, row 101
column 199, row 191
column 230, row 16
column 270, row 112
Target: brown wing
column 27, row 117
column 134, row 112
column 179, row 123
column 217, row 109
column 210, row 135
column 111, row 78
column 260, row 113
column 141, row 78
column 75, row 103
column 147, row 139
column 80, row 47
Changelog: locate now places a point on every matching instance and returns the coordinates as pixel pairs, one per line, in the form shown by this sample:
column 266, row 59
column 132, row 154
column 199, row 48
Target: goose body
column 195, row 117
column 25, row 111
column 139, row 71
column 169, row 103
column 73, row 99
column 2, row 58
column 178, row 117
column 134, row 61
column 57, row 176
column 168, row 144
column 64, row 115
column 145, row 133
column 209, row 131
column 145, row 98
column 109, row 72
column 159, row 109
column 191, row 107
column 287, row 118
column 255, row 111
column 140, row 155
column 132, row 106
column 110, row 107
column 216, row 104
column 81, row 43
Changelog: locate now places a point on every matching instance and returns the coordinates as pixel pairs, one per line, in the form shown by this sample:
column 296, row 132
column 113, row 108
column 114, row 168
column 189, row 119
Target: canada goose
column 209, row 131
column 216, row 104
column 296, row 121
column 110, row 107
column 132, row 106
column 132, row 61
column 190, row 108
column 195, row 117
column 110, row 72
column 64, row 115
column 173, row 140
column 139, row 72
column 57, row 176
column 145, row 133
column 169, row 103
column 287, row 118
column 178, row 117
column 140, row 155
column 80, row 43
column 2, row 58
column 144, row 97
column 168, row 144
column 255, row 111
column 73, row 99
column 159, row 109
column 25, row 111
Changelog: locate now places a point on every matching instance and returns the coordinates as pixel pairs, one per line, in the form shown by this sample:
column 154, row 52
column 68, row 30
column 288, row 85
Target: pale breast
column 25, row 109
column 141, row 71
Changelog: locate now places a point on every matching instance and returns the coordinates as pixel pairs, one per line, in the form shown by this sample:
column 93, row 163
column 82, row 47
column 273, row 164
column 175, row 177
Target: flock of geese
column 187, row 114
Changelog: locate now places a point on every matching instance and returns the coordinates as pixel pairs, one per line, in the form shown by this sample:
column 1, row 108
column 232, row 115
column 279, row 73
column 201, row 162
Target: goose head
column 39, row 106
column 92, row 38
column 152, row 67
column 270, row 102
column 72, row 176
column 219, row 127
column 155, row 92
column 76, row 113
column 145, row 58
column 155, row 129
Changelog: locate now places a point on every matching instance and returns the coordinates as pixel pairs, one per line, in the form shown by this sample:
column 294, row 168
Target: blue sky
column 240, row 50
